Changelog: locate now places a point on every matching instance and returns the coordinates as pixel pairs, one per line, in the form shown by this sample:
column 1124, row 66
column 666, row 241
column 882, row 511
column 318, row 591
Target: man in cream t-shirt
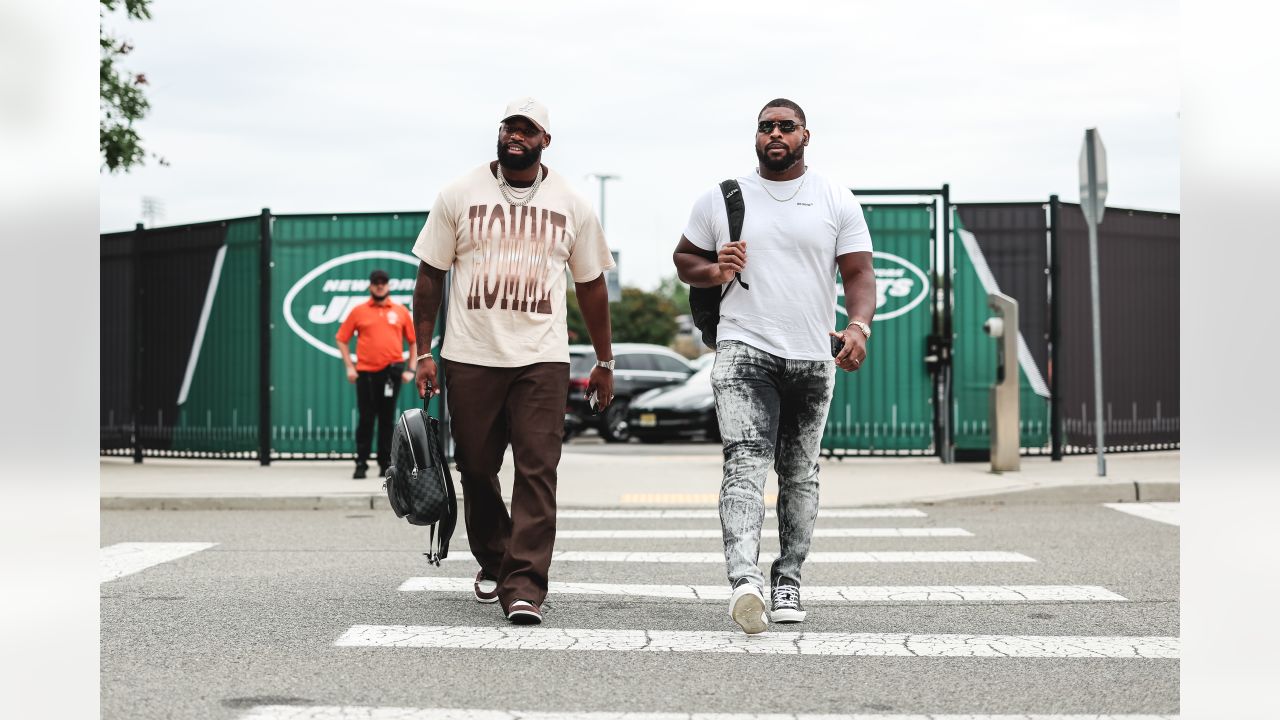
column 508, row 229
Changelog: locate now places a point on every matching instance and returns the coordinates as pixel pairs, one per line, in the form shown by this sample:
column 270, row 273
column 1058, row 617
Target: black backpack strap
column 735, row 210
column 734, row 206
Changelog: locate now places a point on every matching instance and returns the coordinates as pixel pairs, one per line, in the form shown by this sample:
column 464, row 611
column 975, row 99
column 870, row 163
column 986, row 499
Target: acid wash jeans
column 772, row 412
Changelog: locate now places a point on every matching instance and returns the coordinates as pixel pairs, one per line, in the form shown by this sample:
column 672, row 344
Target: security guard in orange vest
column 382, row 327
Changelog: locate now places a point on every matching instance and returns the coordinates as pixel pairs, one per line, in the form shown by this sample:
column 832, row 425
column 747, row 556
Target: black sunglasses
column 786, row 126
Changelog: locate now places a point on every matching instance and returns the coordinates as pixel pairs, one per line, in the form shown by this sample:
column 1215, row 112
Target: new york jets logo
column 320, row 300
column 900, row 286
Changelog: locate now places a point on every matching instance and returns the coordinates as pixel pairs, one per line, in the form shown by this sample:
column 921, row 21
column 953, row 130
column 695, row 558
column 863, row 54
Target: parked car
column 687, row 410
column 638, row 368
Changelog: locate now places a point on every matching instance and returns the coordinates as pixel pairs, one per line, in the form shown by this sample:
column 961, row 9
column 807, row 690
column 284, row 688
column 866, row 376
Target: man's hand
column 601, row 383
column 731, row 260
column 427, row 377
column 407, row 376
column 854, row 351
column 352, row 374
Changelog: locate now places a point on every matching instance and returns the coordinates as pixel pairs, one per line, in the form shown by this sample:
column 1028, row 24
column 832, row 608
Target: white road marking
column 698, row 514
column 357, row 712
column 813, row 594
column 116, row 561
column 887, row 556
column 1165, row 512
column 716, row 534
column 769, row 643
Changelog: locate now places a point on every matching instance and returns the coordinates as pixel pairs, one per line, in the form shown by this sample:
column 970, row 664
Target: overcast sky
column 322, row 106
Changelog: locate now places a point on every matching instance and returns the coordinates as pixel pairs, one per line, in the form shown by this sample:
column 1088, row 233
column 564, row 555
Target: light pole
column 603, row 178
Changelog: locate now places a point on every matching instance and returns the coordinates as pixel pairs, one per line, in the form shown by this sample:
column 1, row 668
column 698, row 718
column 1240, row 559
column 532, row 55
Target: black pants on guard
column 375, row 406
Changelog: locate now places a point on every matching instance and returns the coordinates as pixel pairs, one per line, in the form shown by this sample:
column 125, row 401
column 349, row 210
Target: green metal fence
column 974, row 358
column 320, row 269
column 887, row 405
column 218, row 403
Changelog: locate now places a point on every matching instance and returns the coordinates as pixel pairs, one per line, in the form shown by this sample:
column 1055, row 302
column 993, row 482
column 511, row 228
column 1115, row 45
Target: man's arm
column 344, row 352
column 427, row 293
column 593, row 300
column 703, row 268
column 860, row 302
column 411, row 370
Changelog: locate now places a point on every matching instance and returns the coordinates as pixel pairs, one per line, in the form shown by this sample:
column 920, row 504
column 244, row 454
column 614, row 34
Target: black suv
column 637, row 368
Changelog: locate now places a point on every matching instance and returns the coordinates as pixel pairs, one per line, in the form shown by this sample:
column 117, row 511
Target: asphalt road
column 254, row 620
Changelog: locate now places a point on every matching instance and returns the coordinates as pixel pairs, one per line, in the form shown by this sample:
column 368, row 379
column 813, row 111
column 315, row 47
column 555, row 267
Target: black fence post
column 135, row 357
column 947, row 451
column 264, row 339
column 1055, row 332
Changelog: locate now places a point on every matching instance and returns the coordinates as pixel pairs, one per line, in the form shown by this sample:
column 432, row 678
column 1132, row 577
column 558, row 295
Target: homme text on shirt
column 511, row 265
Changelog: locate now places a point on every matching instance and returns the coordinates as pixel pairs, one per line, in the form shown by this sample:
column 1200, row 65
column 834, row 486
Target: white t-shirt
column 791, row 260
column 507, row 293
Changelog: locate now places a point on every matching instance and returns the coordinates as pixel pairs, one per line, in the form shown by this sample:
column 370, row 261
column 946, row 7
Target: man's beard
column 380, row 298
column 532, row 156
column 785, row 162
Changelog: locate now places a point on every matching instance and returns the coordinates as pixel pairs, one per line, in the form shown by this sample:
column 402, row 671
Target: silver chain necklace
column 787, row 199
column 518, row 197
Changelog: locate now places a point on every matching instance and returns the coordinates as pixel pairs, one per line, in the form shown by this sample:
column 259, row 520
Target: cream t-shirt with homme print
column 507, row 292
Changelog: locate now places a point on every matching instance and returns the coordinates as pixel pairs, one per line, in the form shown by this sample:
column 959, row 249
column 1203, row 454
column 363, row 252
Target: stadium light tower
column 603, row 178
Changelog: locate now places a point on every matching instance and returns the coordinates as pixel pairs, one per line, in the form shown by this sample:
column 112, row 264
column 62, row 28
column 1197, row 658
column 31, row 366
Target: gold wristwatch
column 866, row 329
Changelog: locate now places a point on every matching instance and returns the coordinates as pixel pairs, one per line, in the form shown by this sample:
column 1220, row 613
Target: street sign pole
column 1093, row 193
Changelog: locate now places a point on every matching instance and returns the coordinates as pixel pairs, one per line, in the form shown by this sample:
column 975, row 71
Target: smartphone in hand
column 837, row 344
column 594, row 401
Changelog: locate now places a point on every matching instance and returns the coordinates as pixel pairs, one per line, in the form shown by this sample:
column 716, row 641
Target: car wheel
column 614, row 427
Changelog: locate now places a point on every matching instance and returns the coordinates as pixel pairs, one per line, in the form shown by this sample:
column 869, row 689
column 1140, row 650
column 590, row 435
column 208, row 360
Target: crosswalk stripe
column 887, row 556
column 116, row 561
column 679, row 499
column 572, row 514
column 356, row 712
column 1165, row 512
column 713, row 533
column 771, row 643
column 812, row 593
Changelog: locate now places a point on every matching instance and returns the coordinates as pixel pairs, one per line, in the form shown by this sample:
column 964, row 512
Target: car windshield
column 580, row 364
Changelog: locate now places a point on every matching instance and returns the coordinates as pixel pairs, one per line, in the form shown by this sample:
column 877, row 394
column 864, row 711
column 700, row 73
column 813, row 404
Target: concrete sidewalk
column 622, row 476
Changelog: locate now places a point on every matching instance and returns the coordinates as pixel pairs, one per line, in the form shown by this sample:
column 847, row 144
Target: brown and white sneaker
column 486, row 588
column 523, row 612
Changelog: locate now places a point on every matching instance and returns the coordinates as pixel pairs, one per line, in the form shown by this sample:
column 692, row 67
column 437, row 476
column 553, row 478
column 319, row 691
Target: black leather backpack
column 418, row 484
column 704, row 303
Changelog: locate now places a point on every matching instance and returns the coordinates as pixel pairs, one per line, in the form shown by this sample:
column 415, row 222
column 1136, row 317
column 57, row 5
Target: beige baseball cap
column 535, row 111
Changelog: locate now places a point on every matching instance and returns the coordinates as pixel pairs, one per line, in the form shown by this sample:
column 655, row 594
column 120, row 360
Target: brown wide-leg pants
column 490, row 407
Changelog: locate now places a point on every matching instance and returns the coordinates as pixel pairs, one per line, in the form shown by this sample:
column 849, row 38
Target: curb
column 314, row 502
column 1142, row 491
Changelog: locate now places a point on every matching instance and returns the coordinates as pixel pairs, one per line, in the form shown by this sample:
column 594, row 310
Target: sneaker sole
column 487, row 601
column 748, row 612
column 788, row 616
column 524, row 617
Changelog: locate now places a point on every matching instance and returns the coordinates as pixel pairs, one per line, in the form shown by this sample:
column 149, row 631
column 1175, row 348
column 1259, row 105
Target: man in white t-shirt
column 774, row 373
column 507, row 230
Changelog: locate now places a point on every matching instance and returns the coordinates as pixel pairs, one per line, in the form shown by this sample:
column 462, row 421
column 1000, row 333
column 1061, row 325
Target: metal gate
column 887, row 407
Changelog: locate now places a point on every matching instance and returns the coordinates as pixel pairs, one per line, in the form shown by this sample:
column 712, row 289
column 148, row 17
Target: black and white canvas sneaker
column 746, row 607
column 786, row 602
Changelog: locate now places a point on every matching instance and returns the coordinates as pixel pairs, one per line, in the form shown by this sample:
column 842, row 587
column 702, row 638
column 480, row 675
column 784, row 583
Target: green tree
column 120, row 97
column 674, row 289
column 639, row 317
column 643, row 317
